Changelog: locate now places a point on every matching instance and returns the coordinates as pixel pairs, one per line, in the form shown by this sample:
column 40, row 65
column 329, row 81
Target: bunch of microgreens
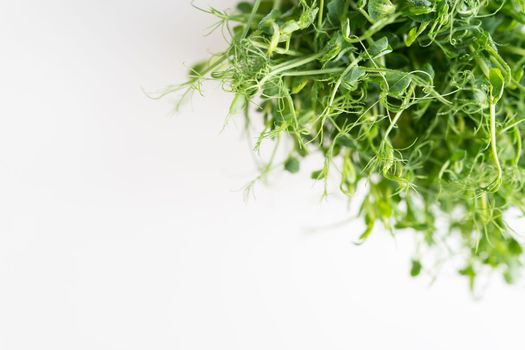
column 422, row 100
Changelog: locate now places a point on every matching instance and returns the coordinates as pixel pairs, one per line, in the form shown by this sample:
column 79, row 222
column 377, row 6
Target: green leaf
column 292, row 165
column 298, row 85
column 379, row 48
column 266, row 24
column 308, row 16
column 411, row 36
column 417, row 9
column 368, row 211
column 368, row 231
column 290, row 27
column 332, row 48
column 378, row 9
column 305, row 20
column 244, row 7
column 197, row 70
column 430, row 73
column 414, row 33
column 497, row 83
column 335, row 10
column 348, row 176
column 416, row 268
column 350, row 80
column 318, row 174
column 370, row 221
column 515, row 248
column 238, row 104
column 398, row 82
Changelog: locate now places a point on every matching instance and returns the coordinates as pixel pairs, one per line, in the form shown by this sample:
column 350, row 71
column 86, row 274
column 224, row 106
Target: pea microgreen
column 422, row 100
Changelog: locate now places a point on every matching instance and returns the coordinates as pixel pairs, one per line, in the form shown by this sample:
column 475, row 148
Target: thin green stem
column 279, row 69
column 340, row 80
column 494, row 148
column 300, row 73
column 398, row 115
column 518, row 146
column 320, row 14
column 515, row 50
column 250, row 20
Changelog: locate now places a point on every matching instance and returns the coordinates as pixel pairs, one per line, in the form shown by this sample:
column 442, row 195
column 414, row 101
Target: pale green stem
column 392, row 125
column 340, row 80
column 515, row 50
column 320, row 15
column 518, row 145
column 299, row 73
column 284, row 67
column 396, row 117
column 493, row 145
column 252, row 16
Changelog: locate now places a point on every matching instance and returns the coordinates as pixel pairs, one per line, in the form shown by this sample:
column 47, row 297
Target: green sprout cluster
column 422, row 100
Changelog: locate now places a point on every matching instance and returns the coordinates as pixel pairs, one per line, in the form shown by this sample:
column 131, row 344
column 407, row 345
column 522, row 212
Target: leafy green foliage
column 423, row 100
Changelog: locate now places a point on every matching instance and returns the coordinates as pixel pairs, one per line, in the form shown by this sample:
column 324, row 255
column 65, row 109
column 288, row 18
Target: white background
column 122, row 225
